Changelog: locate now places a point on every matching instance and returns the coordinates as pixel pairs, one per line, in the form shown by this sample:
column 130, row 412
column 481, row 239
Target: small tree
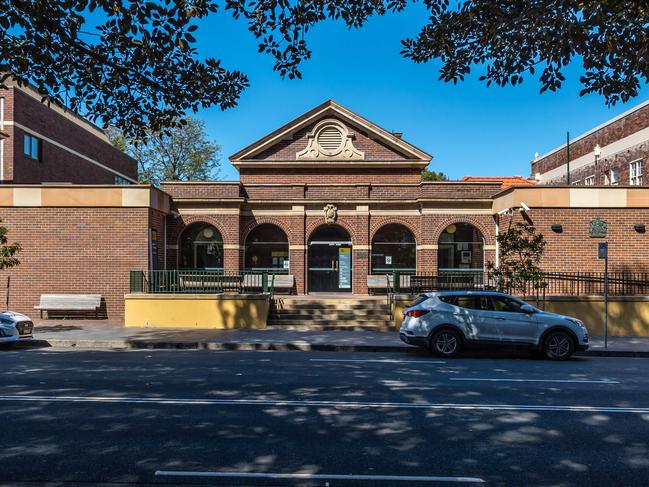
column 184, row 153
column 520, row 249
column 427, row 175
column 7, row 250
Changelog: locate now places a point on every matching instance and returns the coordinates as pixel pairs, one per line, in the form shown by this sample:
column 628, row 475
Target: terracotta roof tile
column 505, row 181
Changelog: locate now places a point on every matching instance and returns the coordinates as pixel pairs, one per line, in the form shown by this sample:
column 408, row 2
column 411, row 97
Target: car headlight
column 576, row 322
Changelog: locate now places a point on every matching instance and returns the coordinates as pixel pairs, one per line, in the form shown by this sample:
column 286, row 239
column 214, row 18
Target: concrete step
column 333, row 327
column 330, row 314
column 325, row 322
column 330, row 307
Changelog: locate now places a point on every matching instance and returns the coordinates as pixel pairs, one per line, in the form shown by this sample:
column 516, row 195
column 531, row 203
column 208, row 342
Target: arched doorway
column 330, row 260
column 266, row 250
column 394, row 249
column 201, row 247
column 460, row 249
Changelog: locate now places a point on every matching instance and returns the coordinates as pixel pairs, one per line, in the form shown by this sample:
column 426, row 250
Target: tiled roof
column 505, row 181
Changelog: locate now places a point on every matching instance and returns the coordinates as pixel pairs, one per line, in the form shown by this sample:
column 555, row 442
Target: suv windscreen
column 473, row 301
column 508, row 305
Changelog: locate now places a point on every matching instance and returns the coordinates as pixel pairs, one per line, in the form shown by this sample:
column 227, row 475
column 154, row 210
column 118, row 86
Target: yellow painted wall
column 196, row 311
column 400, row 303
column 627, row 316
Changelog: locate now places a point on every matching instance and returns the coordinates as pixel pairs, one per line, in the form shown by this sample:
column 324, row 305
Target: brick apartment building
column 54, row 145
column 614, row 153
column 330, row 199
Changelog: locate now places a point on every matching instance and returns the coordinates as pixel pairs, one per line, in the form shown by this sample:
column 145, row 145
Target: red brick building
column 333, row 200
column 330, row 200
column 52, row 144
column 614, row 153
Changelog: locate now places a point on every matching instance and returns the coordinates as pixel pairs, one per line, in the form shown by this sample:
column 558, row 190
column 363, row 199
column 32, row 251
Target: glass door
column 330, row 260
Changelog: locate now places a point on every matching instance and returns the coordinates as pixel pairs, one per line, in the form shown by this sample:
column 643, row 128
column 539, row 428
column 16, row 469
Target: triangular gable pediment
column 330, row 133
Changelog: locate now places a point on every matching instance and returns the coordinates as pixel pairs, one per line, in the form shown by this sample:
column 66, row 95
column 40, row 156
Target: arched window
column 266, row 249
column 394, row 249
column 201, row 247
column 460, row 248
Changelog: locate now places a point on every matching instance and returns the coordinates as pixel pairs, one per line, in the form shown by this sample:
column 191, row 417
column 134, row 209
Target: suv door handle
column 500, row 318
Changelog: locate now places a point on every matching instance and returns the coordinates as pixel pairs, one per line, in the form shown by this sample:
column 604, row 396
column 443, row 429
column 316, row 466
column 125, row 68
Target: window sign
column 388, row 259
column 344, row 268
column 286, row 264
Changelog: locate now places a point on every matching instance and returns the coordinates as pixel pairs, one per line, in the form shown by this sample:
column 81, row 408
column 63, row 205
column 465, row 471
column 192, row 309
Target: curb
column 267, row 346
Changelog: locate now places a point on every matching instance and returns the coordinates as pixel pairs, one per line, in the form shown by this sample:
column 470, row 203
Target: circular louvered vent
column 330, row 139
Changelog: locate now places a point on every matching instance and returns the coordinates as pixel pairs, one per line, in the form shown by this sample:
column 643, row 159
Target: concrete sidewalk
column 100, row 335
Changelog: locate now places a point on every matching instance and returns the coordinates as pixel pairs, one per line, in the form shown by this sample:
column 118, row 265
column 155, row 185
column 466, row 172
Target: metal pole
column 568, row 156
column 606, row 301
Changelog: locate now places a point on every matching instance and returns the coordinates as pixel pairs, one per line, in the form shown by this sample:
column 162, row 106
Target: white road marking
column 568, row 381
column 323, row 403
column 378, row 361
column 316, row 476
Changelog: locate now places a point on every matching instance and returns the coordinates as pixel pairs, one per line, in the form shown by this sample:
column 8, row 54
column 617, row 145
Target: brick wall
column 285, row 150
column 207, row 190
column 76, row 250
column 573, row 250
column 276, row 175
column 57, row 164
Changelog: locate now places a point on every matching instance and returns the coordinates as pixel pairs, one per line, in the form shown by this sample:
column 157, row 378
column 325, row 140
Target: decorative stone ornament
column 330, row 140
column 597, row 228
column 330, row 214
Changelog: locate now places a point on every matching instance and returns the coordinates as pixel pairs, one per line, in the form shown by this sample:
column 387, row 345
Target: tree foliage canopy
column 125, row 62
column 8, row 250
column 520, row 252
column 134, row 64
column 427, row 175
column 184, row 153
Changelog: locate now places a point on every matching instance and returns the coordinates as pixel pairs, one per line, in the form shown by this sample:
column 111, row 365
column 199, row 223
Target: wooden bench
column 69, row 302
column 214, row 283
column 380, row 281
column 283, row 282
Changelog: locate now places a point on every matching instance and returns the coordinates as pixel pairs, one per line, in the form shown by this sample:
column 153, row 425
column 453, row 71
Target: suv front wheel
column 446, row 343
column 558, row 345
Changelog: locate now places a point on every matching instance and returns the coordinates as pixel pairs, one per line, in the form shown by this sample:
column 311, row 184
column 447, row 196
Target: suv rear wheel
column 558, row 345
column 446, row 343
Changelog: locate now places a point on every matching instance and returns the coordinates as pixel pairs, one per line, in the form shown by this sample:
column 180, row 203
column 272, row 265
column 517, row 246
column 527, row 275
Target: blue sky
column 468, row 128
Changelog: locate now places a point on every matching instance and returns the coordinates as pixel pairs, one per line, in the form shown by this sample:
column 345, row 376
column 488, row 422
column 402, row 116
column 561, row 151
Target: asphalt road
column 309, row 418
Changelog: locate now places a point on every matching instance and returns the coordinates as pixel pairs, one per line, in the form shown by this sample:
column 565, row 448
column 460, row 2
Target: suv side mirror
column 526, row 308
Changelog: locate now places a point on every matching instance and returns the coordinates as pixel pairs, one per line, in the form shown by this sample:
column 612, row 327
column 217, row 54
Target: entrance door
column 330, row 260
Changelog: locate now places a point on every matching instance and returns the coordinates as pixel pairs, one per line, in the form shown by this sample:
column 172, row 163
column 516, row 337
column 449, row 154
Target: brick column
column 231, row 243
column 360, row 224
column 297, row 256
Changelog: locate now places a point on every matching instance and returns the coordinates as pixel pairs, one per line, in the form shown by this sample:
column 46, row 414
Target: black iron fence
column 592, row 283
column 201, row 282
column 550, row 283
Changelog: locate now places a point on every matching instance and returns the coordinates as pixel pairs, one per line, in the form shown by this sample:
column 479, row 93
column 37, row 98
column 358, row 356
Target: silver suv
column 447, row 321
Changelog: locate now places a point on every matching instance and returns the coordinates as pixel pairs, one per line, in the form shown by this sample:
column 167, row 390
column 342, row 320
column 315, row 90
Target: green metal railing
column 201, row 281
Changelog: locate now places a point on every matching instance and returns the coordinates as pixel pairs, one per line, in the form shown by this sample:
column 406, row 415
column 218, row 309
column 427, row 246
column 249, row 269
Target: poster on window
column 344, row 268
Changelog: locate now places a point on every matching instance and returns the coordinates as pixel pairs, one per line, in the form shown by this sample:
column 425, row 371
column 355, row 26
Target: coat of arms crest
column 597, row 228
column 330, row 213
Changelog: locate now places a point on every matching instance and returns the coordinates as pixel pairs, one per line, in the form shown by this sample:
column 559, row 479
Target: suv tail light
column 416, row 313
